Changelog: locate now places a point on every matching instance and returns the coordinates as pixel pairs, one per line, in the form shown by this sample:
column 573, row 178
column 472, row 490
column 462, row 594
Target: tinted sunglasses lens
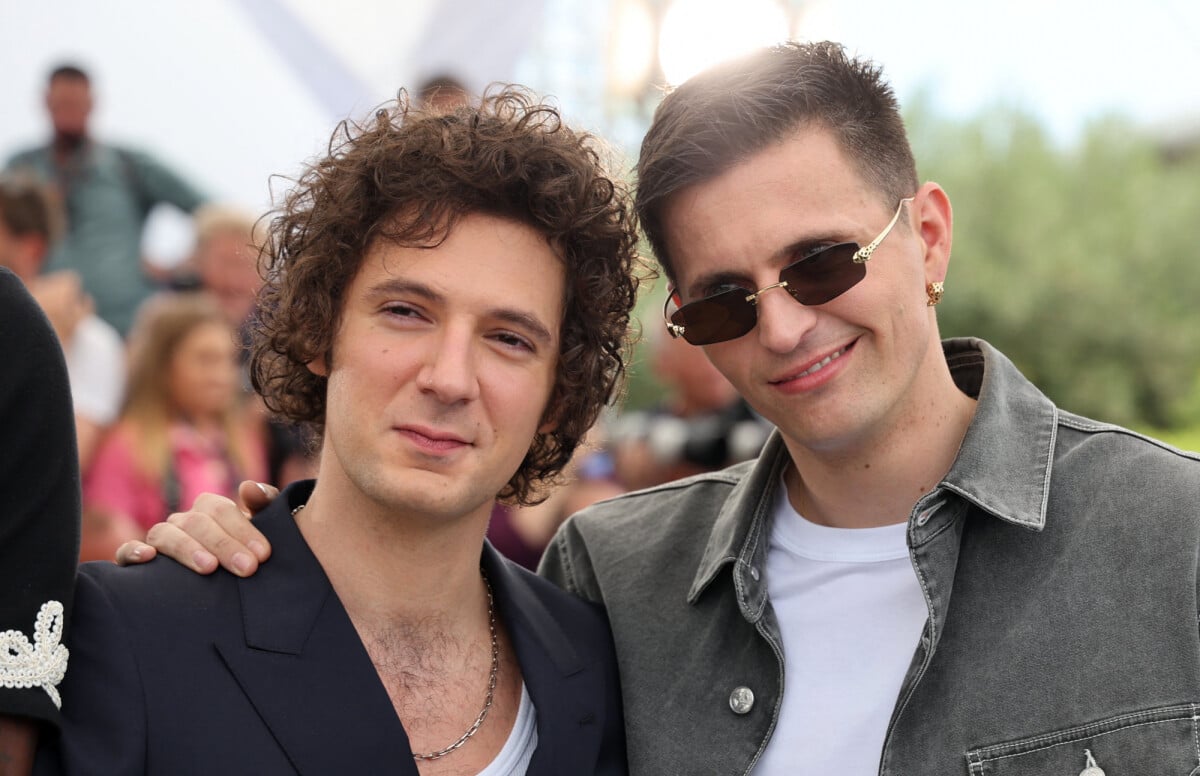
column 717, row 318
column 825, row 275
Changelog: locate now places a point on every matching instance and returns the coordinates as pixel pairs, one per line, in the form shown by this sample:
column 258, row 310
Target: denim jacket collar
column 1003, row 467
column 1004, row 464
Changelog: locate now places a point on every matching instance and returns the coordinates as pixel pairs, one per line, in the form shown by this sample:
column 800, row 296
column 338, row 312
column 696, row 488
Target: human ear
column 318, row 367
column 935, row 228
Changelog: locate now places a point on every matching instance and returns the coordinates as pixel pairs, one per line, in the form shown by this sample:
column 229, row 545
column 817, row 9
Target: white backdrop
column 231, row 91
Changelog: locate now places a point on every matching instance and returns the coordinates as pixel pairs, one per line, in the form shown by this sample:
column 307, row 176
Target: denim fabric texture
column 1059, row 562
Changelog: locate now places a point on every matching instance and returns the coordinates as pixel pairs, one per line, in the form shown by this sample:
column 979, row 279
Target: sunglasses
column 815, row 279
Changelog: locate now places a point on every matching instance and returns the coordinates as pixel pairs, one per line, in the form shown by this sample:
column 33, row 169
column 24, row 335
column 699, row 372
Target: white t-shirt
column 514, row 758
column 851, row 612
column 96, row 370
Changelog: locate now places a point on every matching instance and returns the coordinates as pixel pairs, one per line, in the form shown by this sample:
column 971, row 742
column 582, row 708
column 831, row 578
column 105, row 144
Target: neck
column 877, row 480
column 366, row 548
column 67, row 143
column 208, row 425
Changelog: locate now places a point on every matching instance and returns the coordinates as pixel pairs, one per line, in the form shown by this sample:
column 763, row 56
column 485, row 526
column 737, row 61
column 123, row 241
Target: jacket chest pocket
column 1155, row 742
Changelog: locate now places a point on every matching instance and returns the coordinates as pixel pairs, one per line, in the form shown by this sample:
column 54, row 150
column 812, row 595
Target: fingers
column 256, row 495
column 214, row 532
column 133, row 552
column 173, row 542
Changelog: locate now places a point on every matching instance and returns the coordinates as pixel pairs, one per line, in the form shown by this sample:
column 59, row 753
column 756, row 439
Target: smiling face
column 836, row 375
column 442, row 367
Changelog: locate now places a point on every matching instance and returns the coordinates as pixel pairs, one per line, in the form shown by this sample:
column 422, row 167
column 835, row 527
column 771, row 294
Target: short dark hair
column 726, row 114
column 408, row 176
column 69, row 71
column 26, row 207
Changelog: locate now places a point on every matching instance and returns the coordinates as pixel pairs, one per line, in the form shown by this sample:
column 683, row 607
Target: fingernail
column 136, row 553
column 263, row 488
column 241, row 562
column 257, row 548
column 202, row 559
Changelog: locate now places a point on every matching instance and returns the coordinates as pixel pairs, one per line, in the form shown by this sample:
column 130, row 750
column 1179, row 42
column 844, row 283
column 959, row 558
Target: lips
column 433, row 439
column 817, row 366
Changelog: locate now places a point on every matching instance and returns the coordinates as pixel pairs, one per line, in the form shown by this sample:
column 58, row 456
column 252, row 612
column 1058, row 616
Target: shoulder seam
column 1080, row 423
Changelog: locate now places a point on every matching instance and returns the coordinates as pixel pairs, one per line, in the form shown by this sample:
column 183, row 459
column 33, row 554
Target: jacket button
column 1091, row 768
column 741, row 700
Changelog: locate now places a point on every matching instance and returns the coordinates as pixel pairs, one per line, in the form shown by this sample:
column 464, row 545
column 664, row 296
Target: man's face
column 442, row 367
column 835, row 375
column 228, row 272
column 69, row 101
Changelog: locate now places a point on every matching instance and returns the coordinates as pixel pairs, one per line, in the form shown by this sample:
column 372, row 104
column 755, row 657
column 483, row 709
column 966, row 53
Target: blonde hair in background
column 163, row 322
column 213, row 219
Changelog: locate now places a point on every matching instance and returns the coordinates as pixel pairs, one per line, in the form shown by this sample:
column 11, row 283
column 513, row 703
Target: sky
column 233, row 91
column 1067, row 61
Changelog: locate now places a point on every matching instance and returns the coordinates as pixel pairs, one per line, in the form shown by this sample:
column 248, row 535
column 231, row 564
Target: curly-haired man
column 446, row 304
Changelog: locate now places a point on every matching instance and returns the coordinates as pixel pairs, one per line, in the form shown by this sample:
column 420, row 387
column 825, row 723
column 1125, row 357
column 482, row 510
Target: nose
column 449, row 372
column 782, row 321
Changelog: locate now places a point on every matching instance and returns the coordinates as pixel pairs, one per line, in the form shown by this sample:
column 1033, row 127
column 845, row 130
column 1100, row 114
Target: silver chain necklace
column 491, row 691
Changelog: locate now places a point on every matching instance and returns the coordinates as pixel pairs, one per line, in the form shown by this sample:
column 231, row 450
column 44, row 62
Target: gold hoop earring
column 934, row 292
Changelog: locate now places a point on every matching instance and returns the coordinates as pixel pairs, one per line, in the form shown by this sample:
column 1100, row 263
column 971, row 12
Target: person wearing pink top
column 182, row 430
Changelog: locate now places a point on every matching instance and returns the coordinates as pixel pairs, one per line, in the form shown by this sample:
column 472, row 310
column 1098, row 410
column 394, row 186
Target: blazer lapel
column 562, row 685
column 302, row 665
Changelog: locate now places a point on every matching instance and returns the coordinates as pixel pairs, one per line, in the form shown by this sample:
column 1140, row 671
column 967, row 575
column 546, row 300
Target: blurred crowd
column 164, row 408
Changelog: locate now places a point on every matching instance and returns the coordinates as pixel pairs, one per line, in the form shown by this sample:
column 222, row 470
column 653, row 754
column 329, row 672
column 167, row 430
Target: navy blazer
column 176, row 673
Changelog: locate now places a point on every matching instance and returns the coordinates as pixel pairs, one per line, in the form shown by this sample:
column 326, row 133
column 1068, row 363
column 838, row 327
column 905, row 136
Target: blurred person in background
column 107, row 193
column 443, row 92
column 183, row 428
column 94, row 351
column 521, row 533
column 224, row 264
column 225, row 260
column 702, row 424
column 102, row 531
column 39, row 488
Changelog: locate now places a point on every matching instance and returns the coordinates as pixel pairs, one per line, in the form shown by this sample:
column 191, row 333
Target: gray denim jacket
column 1059, row 563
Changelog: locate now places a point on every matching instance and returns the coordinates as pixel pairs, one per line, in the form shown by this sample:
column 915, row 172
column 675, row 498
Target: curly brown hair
column 408, row 176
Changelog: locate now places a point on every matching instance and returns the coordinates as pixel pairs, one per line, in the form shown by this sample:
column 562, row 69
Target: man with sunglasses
column 930, row 569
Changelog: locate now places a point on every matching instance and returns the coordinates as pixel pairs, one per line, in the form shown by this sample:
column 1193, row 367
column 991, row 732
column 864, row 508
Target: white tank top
column 513, row 759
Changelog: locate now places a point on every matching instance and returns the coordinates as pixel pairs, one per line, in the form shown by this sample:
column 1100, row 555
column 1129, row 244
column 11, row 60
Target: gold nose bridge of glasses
column 753, row 298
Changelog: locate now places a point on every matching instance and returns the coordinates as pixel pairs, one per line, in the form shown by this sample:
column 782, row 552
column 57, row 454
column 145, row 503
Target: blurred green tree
column 1078, row 262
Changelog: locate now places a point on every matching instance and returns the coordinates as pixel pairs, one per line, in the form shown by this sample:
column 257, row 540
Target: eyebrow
column 519, row 318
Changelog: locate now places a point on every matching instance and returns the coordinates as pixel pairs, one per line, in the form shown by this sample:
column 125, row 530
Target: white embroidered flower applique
column 40, row 664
